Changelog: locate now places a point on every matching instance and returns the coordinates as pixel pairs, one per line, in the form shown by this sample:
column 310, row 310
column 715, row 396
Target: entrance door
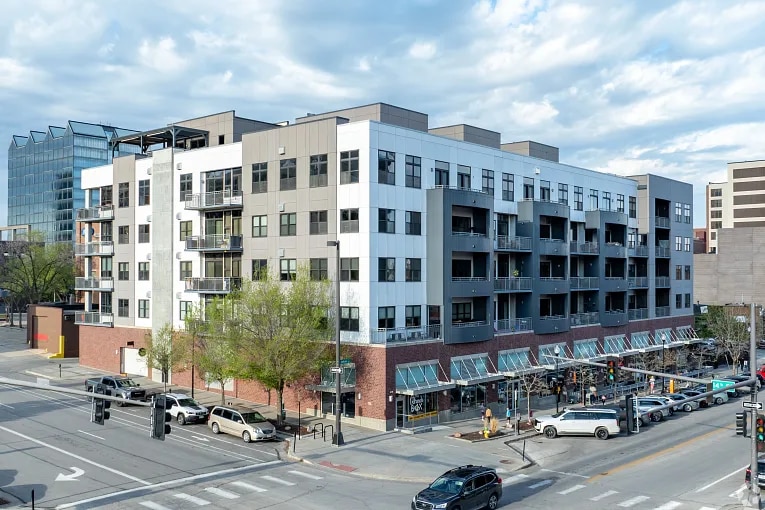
column 132, row 363
column 400, row 411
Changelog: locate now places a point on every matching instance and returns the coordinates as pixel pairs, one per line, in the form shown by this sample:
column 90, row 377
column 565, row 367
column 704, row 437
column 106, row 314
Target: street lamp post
column 337, row 437
column 663, row 367
column 556, row 350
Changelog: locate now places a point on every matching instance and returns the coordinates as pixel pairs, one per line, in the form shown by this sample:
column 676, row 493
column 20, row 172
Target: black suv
column 463, row 488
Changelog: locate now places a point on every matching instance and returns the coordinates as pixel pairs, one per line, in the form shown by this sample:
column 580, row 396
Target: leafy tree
column 166, row 351
column 193, row 328
column 217, row 337
column 731, row 333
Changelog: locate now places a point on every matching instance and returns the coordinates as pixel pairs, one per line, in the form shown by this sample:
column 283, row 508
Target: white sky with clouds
column 672, row 88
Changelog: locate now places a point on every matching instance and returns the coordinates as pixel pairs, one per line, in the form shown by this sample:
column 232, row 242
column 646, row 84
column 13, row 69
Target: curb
column 38, row 374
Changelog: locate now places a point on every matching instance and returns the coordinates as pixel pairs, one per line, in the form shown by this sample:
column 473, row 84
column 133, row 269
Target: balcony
column 662, row 281
column 512, row 325
column 638, row 251
column 662, row 221
column 586, row 248
column 403, row 335
column 585, row 319
column 96, row 213
column 214, row 200
column 662, row 311
column 638, row 282
column 638, row 313
column 584, row 282
column 471, row 286
column 552, row 324
column 98, row 284
column 515, row 284
column 219, row 285
column 662, row 251
column 557, row 247
column 552, row 285
column 611, row 318
column 94, row 249
column 614, row 250
column 614, row 284
column 215, row 242
column 513, row 243
column 94, row 319
column 472, row 331
column 470, row 242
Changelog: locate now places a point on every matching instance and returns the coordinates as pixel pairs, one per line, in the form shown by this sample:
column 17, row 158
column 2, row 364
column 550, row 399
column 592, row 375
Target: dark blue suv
column 463, row 488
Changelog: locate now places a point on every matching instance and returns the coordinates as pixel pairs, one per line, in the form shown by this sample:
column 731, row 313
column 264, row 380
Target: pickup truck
column 118, row 386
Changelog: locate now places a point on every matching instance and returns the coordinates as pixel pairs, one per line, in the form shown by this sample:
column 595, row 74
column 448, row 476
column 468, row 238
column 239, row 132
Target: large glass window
column 578, row 198
column 593, row 200
column 544, row 191
column 413, row 270
column 386, row 223
column 185, row 186
column 633, row 207
column 413, row 172
column 463, row 177
column 442, row 173
column 318, row 171
column 462, row 312
column 607, row 200
column 386, row 269
column 349, row 167
column 144, row 192
column 508, row 187
column 528, row 188
column 124, row 195
column 487, row 181
column 620, row 203
column 259, row 177
column 287, row 174
column 386, row 167
column 413, row 223
column 563, row 193
column 413, row 316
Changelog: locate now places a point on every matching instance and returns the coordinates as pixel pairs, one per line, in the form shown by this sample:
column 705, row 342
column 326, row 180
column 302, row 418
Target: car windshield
column 556, row 415
column 125, row 383
column 187, row 402
column 253, row 417
column 447, row 485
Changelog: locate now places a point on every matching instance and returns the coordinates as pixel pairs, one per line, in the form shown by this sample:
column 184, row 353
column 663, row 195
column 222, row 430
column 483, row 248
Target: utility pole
column 752, row 370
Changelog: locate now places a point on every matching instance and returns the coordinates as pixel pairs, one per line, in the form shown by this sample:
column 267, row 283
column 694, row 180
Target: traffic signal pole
column 752, row 367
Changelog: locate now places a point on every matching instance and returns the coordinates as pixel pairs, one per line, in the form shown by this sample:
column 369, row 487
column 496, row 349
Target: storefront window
column 467, row 398
column 347, row 403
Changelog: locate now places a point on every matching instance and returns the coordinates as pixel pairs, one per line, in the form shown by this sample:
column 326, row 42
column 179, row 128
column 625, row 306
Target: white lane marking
column 571, row 489
column 77, row 472
column 222, row 493
column 6, row 405
column 276, row 480
column 514, row 478
column 604, row 495
column 179, row 481
column 633, row 501
column 89, row 434
column 565, row 473
column 702, row 489
column 249, row 487
column 75, row 456
column 200, row 438
column 737, row 493
column 540, row 484
column 306, row 475
column 192, row 499
column 670, row 506
column 153, row 505
column 707, row 508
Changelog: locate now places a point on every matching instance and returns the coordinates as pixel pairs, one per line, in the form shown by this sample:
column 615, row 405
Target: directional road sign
column 336, row 370
column 718, row 384
column 752, row 405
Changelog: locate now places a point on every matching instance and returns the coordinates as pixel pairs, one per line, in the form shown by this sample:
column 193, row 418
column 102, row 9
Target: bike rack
column 314, row 429
column 324, row 432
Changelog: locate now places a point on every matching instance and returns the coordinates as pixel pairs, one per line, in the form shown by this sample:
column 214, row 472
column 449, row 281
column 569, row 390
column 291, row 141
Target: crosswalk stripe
column 222, row 493
column 604, row 495
column 306, row 475
column 248, row 486
column 192, row 499
column 540, row 484
column 670, row 506
column 571, row 489
column 633, row 501
column 514, row 478
column 707, row 508
column 276, row 480
column 153, row 505
column 738, row 492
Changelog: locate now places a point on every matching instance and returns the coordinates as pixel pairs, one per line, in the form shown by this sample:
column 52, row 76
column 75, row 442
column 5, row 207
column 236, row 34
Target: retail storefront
column 418, row 387
column 472, row 375
column 327, row 387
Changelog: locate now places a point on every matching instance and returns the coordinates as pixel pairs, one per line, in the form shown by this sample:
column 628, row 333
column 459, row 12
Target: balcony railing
column 469, row 324
column 94, row 319
column 514, row 243
column 468, row 278
column 584, row 282
column 662, row 281
column 638, row 313
column 662, row 251
column 586, row 318
column 96, row 213
column 512, row 325
column 214, row 200
column 467, row 234
column 584, row 247
column 662, row 221
column 214, row 242
column 638, row 251
column 514, row 283
column 94, row 249
column 638, row 281
column 551, row 317
column 220, row 285
column 399, row 335
column 662, row 311
column 100, row 284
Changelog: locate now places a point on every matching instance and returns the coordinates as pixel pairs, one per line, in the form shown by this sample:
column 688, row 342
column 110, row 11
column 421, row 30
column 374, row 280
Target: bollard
column 294, row 442
column 518, row 426
column 523, row 454
column 33, row 499
column 59, row 370
column 299, row 429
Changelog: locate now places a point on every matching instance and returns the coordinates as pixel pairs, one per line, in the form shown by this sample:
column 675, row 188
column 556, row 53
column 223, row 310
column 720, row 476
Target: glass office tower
column 44, row 174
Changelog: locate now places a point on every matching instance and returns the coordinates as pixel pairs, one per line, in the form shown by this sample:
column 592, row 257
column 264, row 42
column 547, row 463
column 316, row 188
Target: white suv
column 185, row 409
column 602, row 423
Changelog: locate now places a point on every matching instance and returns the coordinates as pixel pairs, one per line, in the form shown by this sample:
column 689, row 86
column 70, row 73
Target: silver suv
column 185, row 409
column 249, row 425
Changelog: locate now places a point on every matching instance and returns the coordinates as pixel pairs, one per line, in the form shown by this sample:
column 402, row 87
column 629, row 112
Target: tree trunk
column 279, row 400
column 9, row 312
column 222, row 392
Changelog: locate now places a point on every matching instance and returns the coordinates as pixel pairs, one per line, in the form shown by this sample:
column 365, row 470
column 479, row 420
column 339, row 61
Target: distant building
column 699, row 240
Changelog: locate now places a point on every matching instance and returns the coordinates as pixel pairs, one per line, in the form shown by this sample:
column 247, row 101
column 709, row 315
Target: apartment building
column 465, row 263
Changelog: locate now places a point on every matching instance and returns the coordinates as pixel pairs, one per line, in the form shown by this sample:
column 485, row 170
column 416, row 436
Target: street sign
column 752, row 405
column 336, row 370
column 346, row 361
column 718, row 384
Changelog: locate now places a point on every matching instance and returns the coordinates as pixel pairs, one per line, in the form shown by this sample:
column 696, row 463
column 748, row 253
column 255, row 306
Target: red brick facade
column 46, row 324
column 100, row 347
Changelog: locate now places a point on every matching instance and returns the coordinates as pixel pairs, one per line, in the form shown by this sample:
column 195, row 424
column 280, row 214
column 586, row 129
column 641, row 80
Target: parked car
column 687, row 406
column 600, row 422
column 717, row 398
column 760, row 377
column 734, row 392
column 745, row 377
column 118, row 386
column 760, row 474
column 464, row 487
column 185, row 409
column 652, row 402
column 659, row 400
column 694, row 393
column 249, row 425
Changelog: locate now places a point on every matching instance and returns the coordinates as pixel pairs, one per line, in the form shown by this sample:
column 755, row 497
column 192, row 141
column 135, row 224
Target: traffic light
column 159, row 418
column 759, row 428
column 612, row 371
column 741, row 423
column 99, row 406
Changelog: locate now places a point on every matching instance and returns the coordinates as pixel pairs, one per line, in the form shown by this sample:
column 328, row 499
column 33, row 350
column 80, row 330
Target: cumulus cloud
column 422, row 50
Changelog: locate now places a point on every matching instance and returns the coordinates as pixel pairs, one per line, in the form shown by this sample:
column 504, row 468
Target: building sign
column 416, row 404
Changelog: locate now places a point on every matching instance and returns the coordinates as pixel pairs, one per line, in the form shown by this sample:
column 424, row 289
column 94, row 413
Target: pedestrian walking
column 603, row 399
column 483, row 412
column 509, row 416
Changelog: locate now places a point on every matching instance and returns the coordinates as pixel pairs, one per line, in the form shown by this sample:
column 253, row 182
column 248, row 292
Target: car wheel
column 719, row 401
column 493, row 501
column 246, row 436
column 550, row 432
column 687, row 408
column 181, row 419
column 642, row 421
column 215, row 428
column 656, row 417
column 601, row 433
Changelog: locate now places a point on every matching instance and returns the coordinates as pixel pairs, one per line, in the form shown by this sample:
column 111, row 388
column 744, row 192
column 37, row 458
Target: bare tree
column 533, row 383
column 731, row 333
column 166, row 351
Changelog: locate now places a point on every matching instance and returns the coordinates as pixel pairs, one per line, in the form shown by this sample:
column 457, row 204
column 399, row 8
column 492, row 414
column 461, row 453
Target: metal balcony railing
column 512, row 325
column 638, row 313
column 94, row 249
column 662, row 221
column 584, row 282
column 638, row 251
column 662, row 251
column 587, row 247
column 468, row 278
column 518, row 283
column 214, row 242
column 214, row 200
column 94, row 319
column 585, row 318
column 96, row 213
column 99, row 284
column 662, row 311
column 638, row 282
column 514, row 243
column 410, row 334
column 217, row 285
column 662, row 281
column 469, row 324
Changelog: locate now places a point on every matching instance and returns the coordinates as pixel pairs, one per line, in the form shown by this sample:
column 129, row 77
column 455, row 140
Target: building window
column 106, row 267
column 349, row 167
column 413, row 172
column 386, row 167
column 715, row 192
column 143, row 308
column 508, row 187
column 678, row 300
column 259, row 269
column 528, row 188
column 144, row 192
column 288, row 224
column 687, row 301
column 715, row 214
column 619, row 203
column 687, row 272
column 578, row 198
column 287, row 174
column 260, row 226
column 185, row 269
column 678, row 212
column 143, row 233
column 678, row 243
column 715, row 225
column 633, row 207
column 607, row 200
column 715, row 203
column 386, row 221
column 463, row 177
column 413, row 269
column 349, row 221
column 143, row 271
column 349, row 269
column 386, row 317
column 442, row 173
column 123, row 196
column 318, row 171
column 123, row 308
column 319, row 269
column 487, row 181
column 413, row 222
column 123, row 234
column 318, row 222
column 287, row 270
column 106, row 196
column 185, row 229
column 184, row 309
column 563, row 194
column 349, row 318
column 678, row 272
column 687, row 244
column 259, row 177
column 123, row 271
column 413, row 316
column 185, row 187
column 462, row 312
column 593, row 200
column 544, row 191
column 687, row 213
column 386, row 269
